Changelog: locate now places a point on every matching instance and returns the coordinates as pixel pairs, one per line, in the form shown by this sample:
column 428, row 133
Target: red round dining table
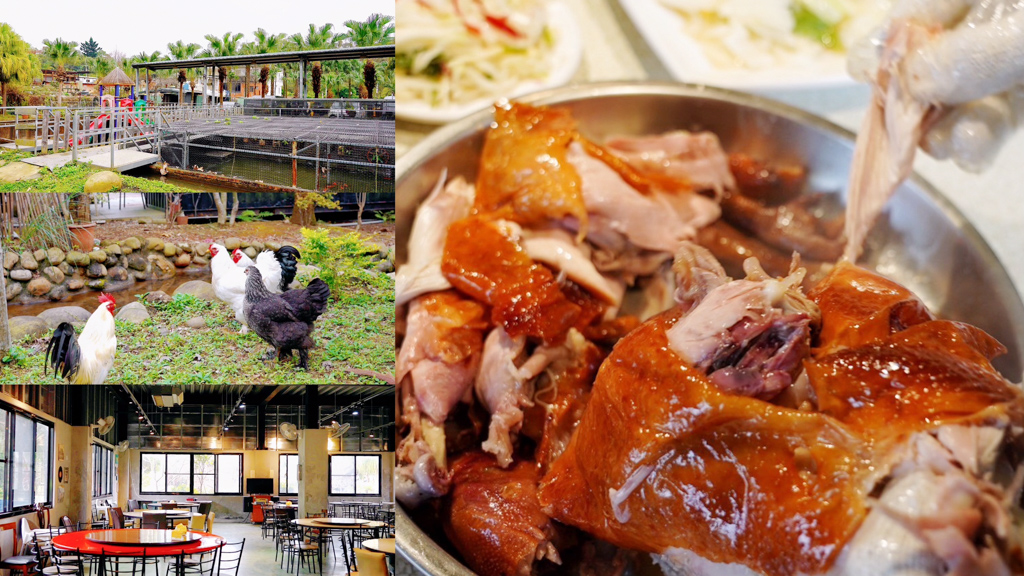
column 80, row 543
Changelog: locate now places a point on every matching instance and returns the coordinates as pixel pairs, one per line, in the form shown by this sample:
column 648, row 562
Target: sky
column 133, row 27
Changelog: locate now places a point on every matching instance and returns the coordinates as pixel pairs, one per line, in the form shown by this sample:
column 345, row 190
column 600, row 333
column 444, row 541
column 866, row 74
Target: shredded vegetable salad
column 456, row 51
column 767, row 33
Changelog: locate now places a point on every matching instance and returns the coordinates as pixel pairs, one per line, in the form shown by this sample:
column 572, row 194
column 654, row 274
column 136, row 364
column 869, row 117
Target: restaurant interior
column 243, row 480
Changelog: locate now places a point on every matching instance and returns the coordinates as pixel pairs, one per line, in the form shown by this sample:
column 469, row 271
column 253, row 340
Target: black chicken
column 285, row 321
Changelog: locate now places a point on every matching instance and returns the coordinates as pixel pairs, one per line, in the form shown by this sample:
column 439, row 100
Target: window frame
column 281, row 469
column 98, row 476
column 354, row 456
column 7, row 415
column 192, row 473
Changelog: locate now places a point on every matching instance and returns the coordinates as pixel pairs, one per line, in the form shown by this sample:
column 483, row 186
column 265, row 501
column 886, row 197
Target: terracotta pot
column 83, row 236
column 181, row 219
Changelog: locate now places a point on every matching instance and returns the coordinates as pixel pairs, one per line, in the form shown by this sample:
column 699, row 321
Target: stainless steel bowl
column 921, row 241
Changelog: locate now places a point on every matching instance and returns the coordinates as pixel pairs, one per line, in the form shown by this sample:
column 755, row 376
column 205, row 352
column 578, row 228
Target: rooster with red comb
column 89, row 358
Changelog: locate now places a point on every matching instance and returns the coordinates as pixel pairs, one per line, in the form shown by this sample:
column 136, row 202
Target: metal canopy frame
column 358, row 52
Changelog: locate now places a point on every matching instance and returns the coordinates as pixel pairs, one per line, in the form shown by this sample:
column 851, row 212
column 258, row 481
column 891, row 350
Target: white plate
column 684, row 57
column 566, row 55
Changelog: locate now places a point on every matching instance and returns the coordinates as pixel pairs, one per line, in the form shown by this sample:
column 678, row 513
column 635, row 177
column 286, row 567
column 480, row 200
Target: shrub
column 344, row 261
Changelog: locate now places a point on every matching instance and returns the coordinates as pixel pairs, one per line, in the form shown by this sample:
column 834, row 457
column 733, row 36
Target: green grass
column 356, row 332
column 71, row 178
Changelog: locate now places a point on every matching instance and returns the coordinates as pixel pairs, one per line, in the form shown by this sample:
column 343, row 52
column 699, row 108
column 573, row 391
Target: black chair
column 205, row 507
column 267, row 526
column 156, row 521
column 230, row 557
column 303, row 550
column 202, row 564
column 112, row 565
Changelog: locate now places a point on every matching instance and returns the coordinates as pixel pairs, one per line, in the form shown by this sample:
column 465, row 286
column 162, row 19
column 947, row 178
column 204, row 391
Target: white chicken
column 228, row 281
column 277, row 269
column 88, row 359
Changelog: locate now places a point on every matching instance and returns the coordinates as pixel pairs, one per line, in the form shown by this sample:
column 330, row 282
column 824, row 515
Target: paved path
column 131, row 208
column 99, row 157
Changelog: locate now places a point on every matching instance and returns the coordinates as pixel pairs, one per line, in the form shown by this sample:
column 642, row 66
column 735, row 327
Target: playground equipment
column 100, row 126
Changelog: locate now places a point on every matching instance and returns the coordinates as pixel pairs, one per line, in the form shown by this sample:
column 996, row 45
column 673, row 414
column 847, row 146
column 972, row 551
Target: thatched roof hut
column 116, row 77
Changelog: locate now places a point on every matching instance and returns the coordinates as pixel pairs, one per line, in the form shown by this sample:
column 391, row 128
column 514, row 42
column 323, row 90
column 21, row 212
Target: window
column 178, row 473
column 102, row 471
column 288, row 475
column 26, row 461
column 353, row 474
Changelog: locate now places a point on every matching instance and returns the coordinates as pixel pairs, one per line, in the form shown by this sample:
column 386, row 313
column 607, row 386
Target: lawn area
column 356, row 332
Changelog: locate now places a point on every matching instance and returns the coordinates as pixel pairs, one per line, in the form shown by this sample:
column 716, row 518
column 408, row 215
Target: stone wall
column 52, row 274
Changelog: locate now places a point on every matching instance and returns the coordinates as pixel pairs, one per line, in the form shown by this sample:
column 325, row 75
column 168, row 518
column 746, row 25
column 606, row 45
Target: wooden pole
column 295, row 165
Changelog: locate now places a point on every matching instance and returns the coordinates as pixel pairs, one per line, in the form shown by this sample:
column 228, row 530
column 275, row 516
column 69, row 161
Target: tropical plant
column 316, row 38
column 61, row 55
column 101, row 66
column 222, row 74
column 181, row 51
column 369, row 78
column 16, row 63
column 376, row 30
column 90, row 49
column 182, row 78
column 264, row 73
column 267, row 43
column 317, row 73
column 222, row 46
column 386, row 79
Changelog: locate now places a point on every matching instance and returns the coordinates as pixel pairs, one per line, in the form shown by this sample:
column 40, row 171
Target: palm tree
column 15, row 60
column 142, row 58
column 267, row 43
column 228, row 45
column 386, row 79
column 62, row 54
column 101, row 66
column 264, row 73
column 316, row 39
column 377, row 30
column 181, row 51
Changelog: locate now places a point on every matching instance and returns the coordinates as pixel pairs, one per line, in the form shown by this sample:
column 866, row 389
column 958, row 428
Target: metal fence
column 323, row 107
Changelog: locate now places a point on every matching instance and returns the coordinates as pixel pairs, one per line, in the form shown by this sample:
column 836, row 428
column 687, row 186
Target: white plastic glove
column 974, row 68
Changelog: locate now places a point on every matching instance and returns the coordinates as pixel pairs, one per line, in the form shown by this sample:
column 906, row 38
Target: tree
column 15, row 60
column 181, row 82
column 267, row 43
column 222, row 74
column 386, row 79
column 90, row 49
column 143, row 58
column 222, row 46
column 369, row 78
column 61, row 54
column 5, row 329
column 181, row 51
column 316, row 39
column 264, row 73
column 304, row 209
column 101, row 66
column 317, row 73
column 377, row 30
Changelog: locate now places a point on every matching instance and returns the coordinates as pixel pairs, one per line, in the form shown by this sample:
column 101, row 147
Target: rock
column 385, row 267
column 140, row 275
column 134, row 312
column 57, row 293
column 307, row 269
column 158, row 297
column 117, row 273
column 198, row 288
column 105, row 242
column 202, row 249
column 10, row 259
column 113, row 249
column 185, row 247
column 232, row 243
column 39, row 286
column 137, row 262
column 196, row 323
column 69, row 314
column 78, row 258
column 65, row 268
column 126, row 250
column 97, row 284
column 18, row 171
column 76, row 283
column 39, row 255
column 145, row 220
column 170, row 250
column 13, row 289
column 54, row 274
column 21, row 275
column 28, row 261
column 133, row 243
column 200, row 261
column 245, row 244
column 258, row 247
column 110, row 261
column 26, row 326
column 162, row 267
column 96, row 270
column 154, row 244
column 272, row 246
column 55, row 256
column 122, row 261
column 102, row 182
column 183, row 261
column 250, row 252
column 98, row 256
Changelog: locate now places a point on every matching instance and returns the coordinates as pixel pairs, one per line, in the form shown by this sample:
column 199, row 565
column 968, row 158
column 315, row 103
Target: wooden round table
column 135, row 543
column 169, row 513
column 385, row 545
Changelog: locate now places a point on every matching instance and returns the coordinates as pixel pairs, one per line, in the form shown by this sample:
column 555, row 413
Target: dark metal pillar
column 312, row 419
column 261, row 426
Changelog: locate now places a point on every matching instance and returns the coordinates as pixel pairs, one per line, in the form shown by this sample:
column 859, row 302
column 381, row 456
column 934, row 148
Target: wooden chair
column 168, row 505
column 370, row 563
column 116, row 517
column 156, row 522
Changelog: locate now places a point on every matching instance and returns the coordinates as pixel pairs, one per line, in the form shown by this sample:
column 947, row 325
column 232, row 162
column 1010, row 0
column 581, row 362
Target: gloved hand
column 974, row 68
